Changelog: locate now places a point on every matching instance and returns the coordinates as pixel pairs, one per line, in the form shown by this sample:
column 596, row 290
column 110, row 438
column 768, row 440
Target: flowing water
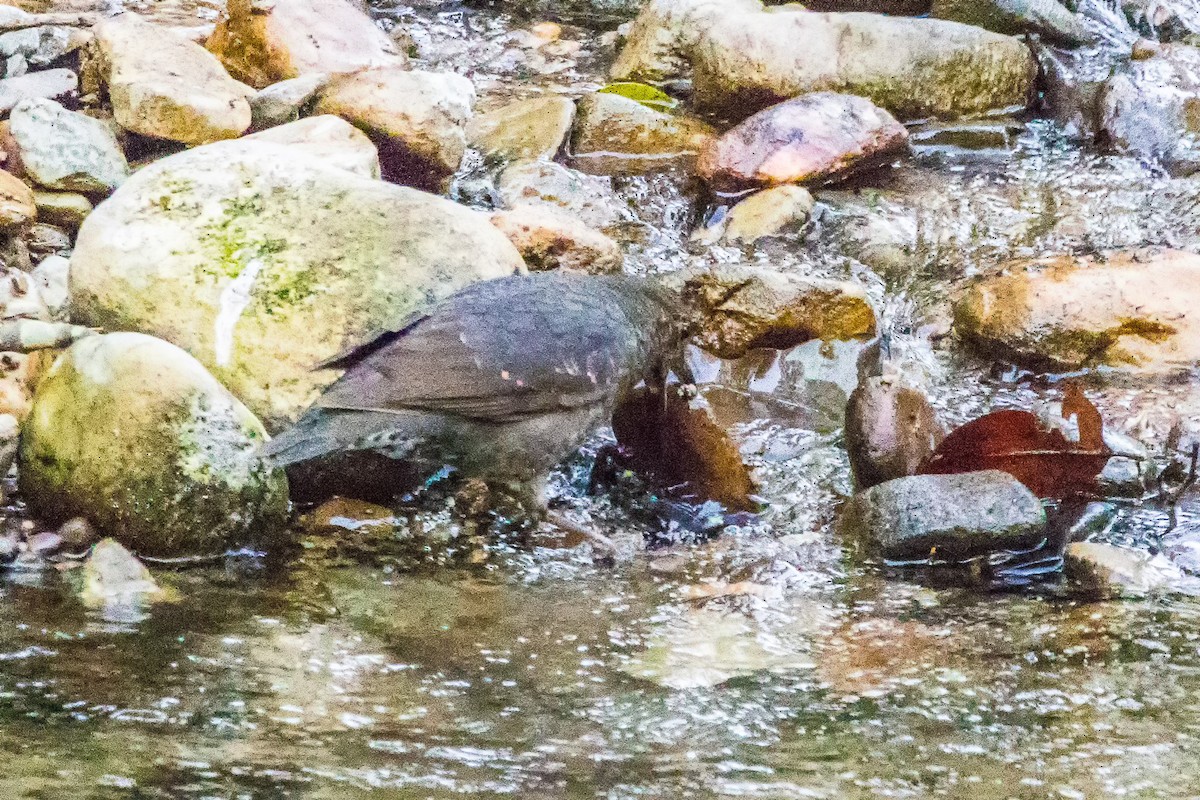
column 420, row 658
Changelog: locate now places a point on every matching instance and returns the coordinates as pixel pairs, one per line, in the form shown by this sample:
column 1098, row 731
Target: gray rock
column 262, row 262
column 51, row 84
column 38, row 47
column 10, row 546
column 1108, row 571
column 743, row 58
column 45, row 543
column 63, row 149
column 590, row 198
column 114, row 576
column 48, row 239
column 50, row 276
column 417, row 119
column 77, row 532
column 281, row 103
column 945, row 517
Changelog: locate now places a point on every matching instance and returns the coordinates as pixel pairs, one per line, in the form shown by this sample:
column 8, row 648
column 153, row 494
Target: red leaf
column 1037, row 454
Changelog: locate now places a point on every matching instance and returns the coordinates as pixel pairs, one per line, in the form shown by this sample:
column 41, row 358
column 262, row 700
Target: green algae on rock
column 617, row 135
column 262, row 262
column 134, row 434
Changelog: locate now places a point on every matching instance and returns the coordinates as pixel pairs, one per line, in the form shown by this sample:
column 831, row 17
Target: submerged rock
column 549, row 239
column 1106, row 570
column 1148, row 106
column 61, row 149
column 165, row 86
column 891, row 429
column 527, row 130
column 589, row 198
column 615, row 135
column 113, row 576
column 263, row 43
column 589, row 13
column 135, row 435
column 767, row 213
column 416, row 118
column 744, row 58
column 262, row 262
column 816, row 138
column 945, row 517
column 1136, row 309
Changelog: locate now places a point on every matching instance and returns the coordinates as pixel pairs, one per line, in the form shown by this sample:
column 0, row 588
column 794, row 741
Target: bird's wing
column 353, row 355
column 494, row 358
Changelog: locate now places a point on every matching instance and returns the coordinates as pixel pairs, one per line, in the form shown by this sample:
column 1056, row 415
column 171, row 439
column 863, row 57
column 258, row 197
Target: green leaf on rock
column 645, row 94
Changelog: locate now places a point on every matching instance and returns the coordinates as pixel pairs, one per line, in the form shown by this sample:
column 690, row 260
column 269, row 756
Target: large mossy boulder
column 743, row 57
column 135, row 435
column 262, row 262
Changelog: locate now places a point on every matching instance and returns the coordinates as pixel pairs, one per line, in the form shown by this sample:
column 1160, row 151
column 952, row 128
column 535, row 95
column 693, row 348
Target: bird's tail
column 322, row 431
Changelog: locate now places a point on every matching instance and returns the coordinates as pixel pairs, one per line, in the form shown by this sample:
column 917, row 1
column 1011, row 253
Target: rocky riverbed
column 927, row 212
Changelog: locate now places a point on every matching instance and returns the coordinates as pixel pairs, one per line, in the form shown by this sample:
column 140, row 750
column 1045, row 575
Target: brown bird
column 501, row 381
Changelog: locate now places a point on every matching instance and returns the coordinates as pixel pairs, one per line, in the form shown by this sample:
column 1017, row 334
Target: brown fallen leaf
column 682, row 450
column 1037, row 453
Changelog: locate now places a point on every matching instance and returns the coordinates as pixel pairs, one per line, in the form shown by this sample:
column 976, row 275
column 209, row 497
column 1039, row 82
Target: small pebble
column 45, row 543
column 77, row 533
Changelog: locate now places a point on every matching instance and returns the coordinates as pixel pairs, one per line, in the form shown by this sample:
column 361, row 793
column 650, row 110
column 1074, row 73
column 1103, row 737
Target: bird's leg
column 569, row 526
column 535, row 496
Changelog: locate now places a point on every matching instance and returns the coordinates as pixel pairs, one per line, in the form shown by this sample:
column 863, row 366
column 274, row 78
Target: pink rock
column 814, row 138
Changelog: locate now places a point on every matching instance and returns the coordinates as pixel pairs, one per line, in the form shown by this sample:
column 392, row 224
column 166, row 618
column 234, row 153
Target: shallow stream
column 768, row 662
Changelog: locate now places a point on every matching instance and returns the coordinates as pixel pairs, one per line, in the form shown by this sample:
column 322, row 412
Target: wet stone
column 45, row 543
column 945, row 517
column 891, row 429
column 615, row 135
column 1105, row 570
column 816, row 138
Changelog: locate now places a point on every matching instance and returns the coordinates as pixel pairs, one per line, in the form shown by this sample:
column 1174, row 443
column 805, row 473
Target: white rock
column 63, row 149
column 163, row 85
column 330, row 140
column 417, row 118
